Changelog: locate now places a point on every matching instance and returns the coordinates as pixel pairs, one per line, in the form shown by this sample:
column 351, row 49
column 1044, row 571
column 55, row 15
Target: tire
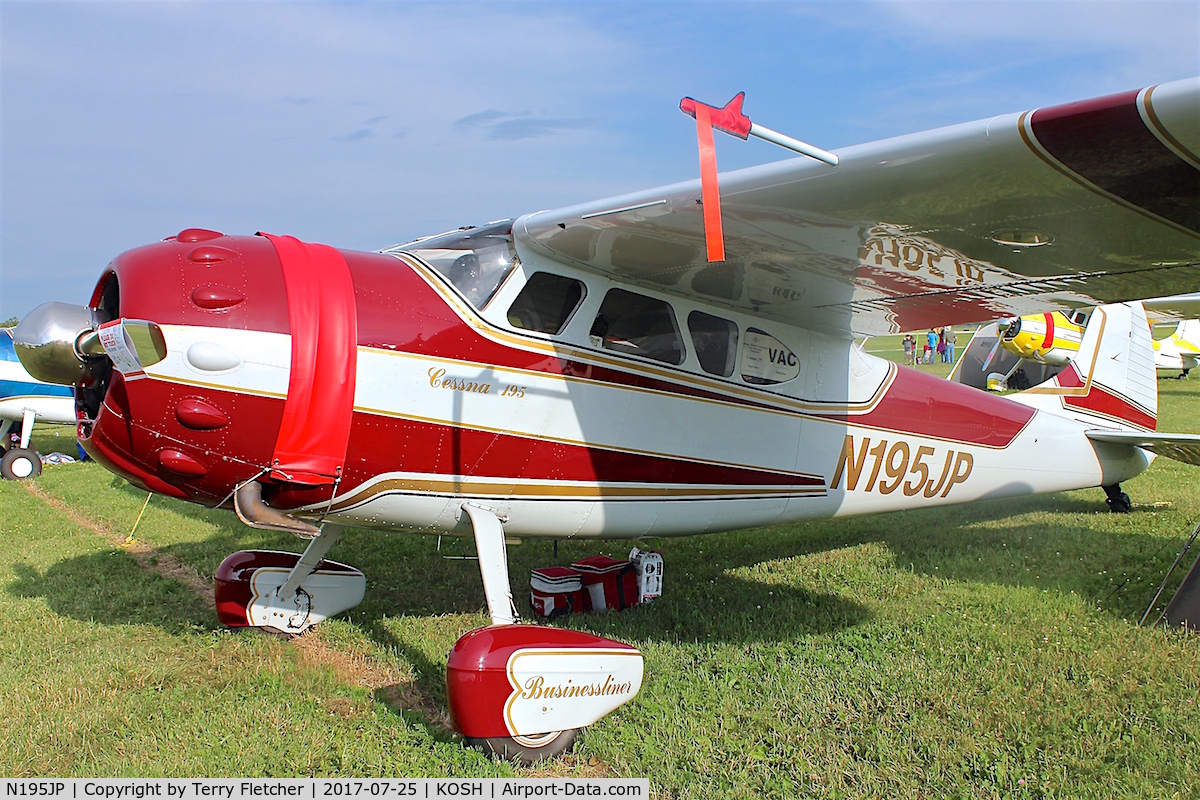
column 18, row 464
column 527, row 750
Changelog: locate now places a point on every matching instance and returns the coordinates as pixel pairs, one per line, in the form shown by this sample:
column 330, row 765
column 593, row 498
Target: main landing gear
column 523, row 692
column 20, row 462
column 285, row 593
column 1118, row 502
column 518, row 692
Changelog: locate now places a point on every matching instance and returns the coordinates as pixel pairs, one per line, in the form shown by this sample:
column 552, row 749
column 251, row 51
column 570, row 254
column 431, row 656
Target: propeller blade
column 992, row 354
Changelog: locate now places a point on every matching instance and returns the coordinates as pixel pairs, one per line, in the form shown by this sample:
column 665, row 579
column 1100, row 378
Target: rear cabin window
column 546, row 303
column 715, row 340
column 638, row 325
column 766, row 360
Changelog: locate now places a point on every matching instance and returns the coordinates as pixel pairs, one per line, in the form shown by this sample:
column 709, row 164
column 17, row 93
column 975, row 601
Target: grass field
column 988, row 650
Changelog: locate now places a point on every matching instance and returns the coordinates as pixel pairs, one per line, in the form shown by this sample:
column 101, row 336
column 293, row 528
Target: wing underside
column 1069, row 206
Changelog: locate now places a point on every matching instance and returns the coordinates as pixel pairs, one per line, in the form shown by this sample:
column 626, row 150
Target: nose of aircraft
column 46, row 342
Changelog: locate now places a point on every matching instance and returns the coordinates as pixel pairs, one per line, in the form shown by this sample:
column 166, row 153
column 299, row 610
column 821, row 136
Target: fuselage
column 572, row 405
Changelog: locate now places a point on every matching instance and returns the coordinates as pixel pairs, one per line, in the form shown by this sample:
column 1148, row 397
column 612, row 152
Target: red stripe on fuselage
column 445, row 449
column 924, row 405
column 1102, row 401
column 379, row 444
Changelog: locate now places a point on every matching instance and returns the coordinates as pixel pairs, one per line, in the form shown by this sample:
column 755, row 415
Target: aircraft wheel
column 1120, row 504
column 527, row 750
column 18, row 464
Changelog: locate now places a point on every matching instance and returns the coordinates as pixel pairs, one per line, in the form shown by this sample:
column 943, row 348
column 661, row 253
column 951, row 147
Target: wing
column 1179, row 307
column 1082, row 204
column 1183, row 447
column 1168, row 312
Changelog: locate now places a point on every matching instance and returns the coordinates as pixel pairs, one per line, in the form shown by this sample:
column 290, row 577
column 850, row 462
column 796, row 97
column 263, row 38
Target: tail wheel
column 19, row 464
column 527, row 750
column 1120, row 504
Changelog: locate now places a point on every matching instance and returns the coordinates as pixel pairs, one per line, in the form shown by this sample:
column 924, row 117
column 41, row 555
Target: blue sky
column 366, row 124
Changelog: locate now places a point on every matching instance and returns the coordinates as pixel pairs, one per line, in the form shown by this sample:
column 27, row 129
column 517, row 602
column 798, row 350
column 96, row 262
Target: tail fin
column 1112, row 381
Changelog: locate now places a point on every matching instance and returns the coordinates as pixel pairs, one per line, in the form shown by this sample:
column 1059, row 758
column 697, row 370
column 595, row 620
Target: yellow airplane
column 1053, row 339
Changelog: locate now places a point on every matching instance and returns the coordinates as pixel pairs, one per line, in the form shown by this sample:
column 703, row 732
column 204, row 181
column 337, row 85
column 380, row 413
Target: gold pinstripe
column 524, row 490
column 1025, row 128
column 1162, row 133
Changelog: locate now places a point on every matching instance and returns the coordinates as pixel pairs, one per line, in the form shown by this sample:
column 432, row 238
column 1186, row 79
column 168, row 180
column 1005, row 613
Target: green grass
column 987, row 650
column 892, row 348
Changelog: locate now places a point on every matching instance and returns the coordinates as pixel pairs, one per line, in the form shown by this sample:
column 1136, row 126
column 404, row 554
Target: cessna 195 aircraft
column 590, row 372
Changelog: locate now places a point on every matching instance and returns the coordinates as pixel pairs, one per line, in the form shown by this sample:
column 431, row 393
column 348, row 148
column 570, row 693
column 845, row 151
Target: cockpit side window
column 475, row 260
column 545, row 303
column 715, row 340
column 638, row 325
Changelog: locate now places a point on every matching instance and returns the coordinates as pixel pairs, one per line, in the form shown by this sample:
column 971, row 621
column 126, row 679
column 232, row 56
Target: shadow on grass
column 110, row 588
column 423, row 702
column 1116, row 570
column 704, row 600
column 406, row 575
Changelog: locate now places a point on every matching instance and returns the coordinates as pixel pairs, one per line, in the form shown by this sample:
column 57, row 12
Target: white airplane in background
column 1179, row 349
column 1176, row 331
column 26, row 400
column 659, row 364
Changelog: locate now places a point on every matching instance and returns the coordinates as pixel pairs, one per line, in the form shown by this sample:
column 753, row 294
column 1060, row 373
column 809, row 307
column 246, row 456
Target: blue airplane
column 25, row 400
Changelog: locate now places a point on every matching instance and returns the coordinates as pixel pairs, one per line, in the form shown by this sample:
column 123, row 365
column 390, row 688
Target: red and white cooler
column 607, row 583
column 555, row 591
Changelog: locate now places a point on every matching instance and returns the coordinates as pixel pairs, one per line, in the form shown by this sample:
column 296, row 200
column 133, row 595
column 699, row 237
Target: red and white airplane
column 588, row 372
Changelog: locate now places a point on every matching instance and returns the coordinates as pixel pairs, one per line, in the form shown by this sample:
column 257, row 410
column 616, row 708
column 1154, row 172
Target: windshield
column 475, row 260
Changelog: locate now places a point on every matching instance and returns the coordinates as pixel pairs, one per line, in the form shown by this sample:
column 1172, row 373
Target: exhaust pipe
column 250, row 508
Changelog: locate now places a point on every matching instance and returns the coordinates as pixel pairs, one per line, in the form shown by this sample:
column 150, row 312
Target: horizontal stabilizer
column 1183, row 447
